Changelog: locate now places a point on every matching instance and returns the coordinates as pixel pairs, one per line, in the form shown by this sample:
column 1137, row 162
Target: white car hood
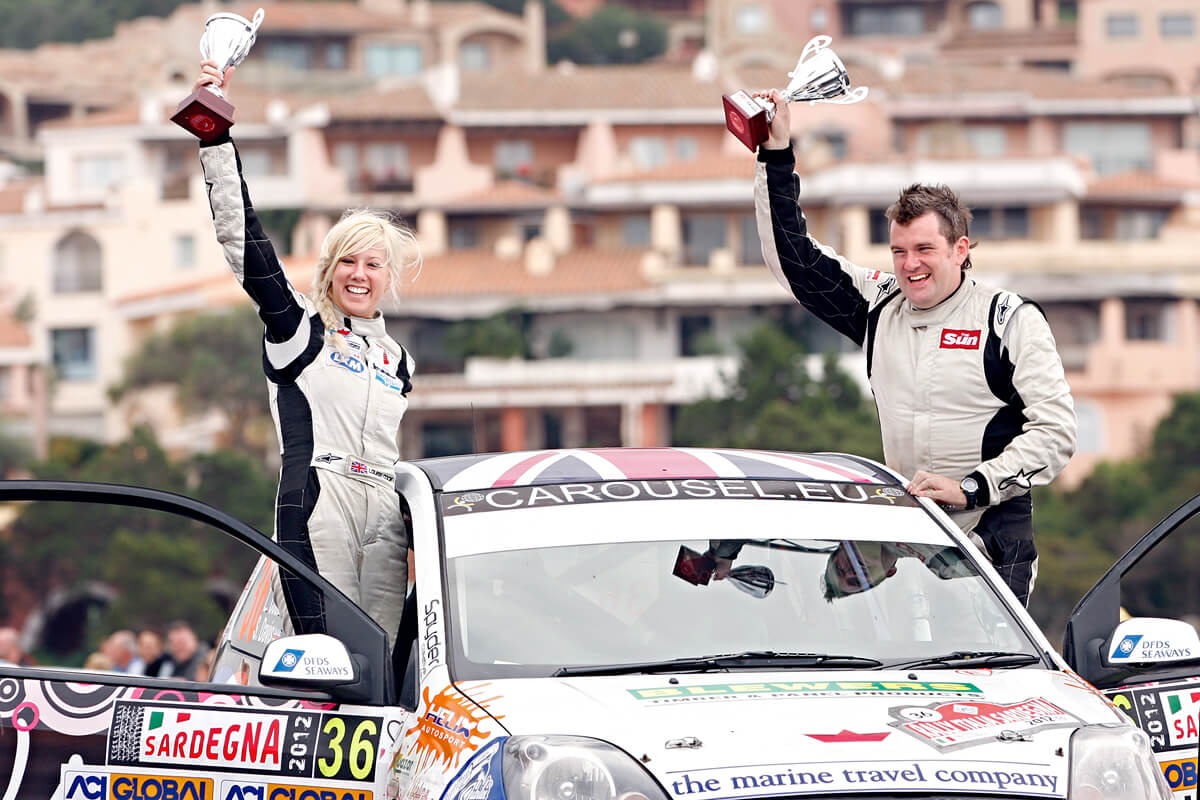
column 752, row 734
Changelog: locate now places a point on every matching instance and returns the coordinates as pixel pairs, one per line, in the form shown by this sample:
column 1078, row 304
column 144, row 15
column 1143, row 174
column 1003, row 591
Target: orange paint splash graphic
column 448, row 727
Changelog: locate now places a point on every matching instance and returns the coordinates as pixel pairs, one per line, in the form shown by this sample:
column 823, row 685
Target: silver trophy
column 227, row 40
column 819, row 77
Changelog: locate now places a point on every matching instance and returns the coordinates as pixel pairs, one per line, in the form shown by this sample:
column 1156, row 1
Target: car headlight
column 573, row 768
column 1114, row 762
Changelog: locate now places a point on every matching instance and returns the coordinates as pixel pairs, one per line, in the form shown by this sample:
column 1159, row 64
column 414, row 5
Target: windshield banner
column 567, row 494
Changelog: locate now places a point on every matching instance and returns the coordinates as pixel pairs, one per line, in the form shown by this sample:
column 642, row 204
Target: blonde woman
column 338, row 386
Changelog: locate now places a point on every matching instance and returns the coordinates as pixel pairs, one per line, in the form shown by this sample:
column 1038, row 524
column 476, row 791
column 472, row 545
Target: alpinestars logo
column 1002, row 310
column 1023, row 479
column 327, row 458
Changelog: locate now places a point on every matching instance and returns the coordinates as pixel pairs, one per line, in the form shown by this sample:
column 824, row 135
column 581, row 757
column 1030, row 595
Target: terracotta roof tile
column 13, row 333
column 643, row 86
column 698, row 169
column 405, row 102
column 506, row 195
column 460, row 273
column 12, row 195
column 1136, row 185
column 582, row 271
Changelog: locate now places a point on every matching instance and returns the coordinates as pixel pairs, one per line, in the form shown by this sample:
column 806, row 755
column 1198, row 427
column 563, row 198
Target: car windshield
column 539, row 591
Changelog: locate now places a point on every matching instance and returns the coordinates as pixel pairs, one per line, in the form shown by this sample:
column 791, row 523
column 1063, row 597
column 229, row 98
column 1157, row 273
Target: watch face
column 969, row 485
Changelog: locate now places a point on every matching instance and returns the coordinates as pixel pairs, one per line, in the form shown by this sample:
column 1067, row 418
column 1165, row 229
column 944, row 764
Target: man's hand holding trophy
column 819, row 77
column 205, row 113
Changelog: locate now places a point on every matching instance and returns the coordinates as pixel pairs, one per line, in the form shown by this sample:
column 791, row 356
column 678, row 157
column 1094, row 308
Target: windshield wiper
column 750, row 659
column 962, row 658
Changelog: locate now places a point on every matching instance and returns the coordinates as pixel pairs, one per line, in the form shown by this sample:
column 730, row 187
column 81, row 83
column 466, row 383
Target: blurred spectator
column 98, row 661
column 204, row 671
column 186, row 651
column 121, row 647
column 10, row 649
column 150, row 651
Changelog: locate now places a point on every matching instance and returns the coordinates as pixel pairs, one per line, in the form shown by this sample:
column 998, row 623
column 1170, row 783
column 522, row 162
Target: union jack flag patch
column 358, row 467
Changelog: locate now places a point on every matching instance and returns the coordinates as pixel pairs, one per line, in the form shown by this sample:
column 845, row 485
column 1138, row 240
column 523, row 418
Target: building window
column 261, row 160
column 986, row 140
column 900, row 20
column 73, row 353
column 985, row 16
column 702, row 234
column 1139, row 223
column 185, row 251
column 464, row 236
column 1121, row 26
column 345, row 157
column 749, row 246
column 835, row 140
column 818, row 19
column 447, row 439
column 1090, row 431
column 99, row 171
column 1145, row 321
column 1068, row 11
column 474, row 57
column 392, row 59
column 77, row 264
column 648, row 152
column 1000, row 223
column 878, row 226
column 1177, row 26
column 293, row 54
column 696, row 335
column 686, row 148
column 335, row 55
column 387, row 166
column 750, row 18
column 1111, row 146
column 513, row 157
column 635, row 231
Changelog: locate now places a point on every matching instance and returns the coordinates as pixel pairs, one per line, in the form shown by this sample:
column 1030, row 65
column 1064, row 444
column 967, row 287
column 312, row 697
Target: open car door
column 1149, row 664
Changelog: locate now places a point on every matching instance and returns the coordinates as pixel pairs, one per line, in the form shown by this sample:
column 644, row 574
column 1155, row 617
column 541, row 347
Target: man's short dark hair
column 954, row 218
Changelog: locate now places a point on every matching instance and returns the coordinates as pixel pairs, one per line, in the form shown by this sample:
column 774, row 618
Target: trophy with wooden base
column 819, row 77
column 205, row 113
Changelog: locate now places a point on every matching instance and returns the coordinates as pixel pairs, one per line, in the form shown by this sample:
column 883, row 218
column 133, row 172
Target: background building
column 607, row 207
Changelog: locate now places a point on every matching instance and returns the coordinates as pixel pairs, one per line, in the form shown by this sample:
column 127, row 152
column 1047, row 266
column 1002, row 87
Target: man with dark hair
column 973, row 402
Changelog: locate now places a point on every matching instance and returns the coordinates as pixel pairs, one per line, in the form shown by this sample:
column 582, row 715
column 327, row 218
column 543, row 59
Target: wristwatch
column 970, row 488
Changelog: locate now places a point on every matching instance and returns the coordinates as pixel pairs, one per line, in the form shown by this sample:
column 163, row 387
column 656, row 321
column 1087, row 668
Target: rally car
column 661, row 624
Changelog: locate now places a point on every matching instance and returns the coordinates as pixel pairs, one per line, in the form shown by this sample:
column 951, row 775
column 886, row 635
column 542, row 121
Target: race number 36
column 348, row 747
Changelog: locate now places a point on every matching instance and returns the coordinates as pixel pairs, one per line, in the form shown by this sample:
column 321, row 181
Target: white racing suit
column 973, row 386
column 337, row 411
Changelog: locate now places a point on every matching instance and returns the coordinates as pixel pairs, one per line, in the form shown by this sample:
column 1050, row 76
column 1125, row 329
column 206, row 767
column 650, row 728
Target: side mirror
column 314, row 661
column 1151, row 640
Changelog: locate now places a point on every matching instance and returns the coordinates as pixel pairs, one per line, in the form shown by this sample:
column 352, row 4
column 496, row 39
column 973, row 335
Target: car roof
column 589, row 465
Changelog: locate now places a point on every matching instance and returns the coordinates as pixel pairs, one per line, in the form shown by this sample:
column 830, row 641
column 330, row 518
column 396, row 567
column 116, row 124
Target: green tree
column 774, row 403
column 555, row 14
column 612, row 35
column 215, row 362
column 162, row 566
column 501, row 335
column 28, row 23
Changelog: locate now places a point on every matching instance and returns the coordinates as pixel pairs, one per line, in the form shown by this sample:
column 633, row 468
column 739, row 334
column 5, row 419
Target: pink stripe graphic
column 517, row 470
column 857, row 477
column 654, row 463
